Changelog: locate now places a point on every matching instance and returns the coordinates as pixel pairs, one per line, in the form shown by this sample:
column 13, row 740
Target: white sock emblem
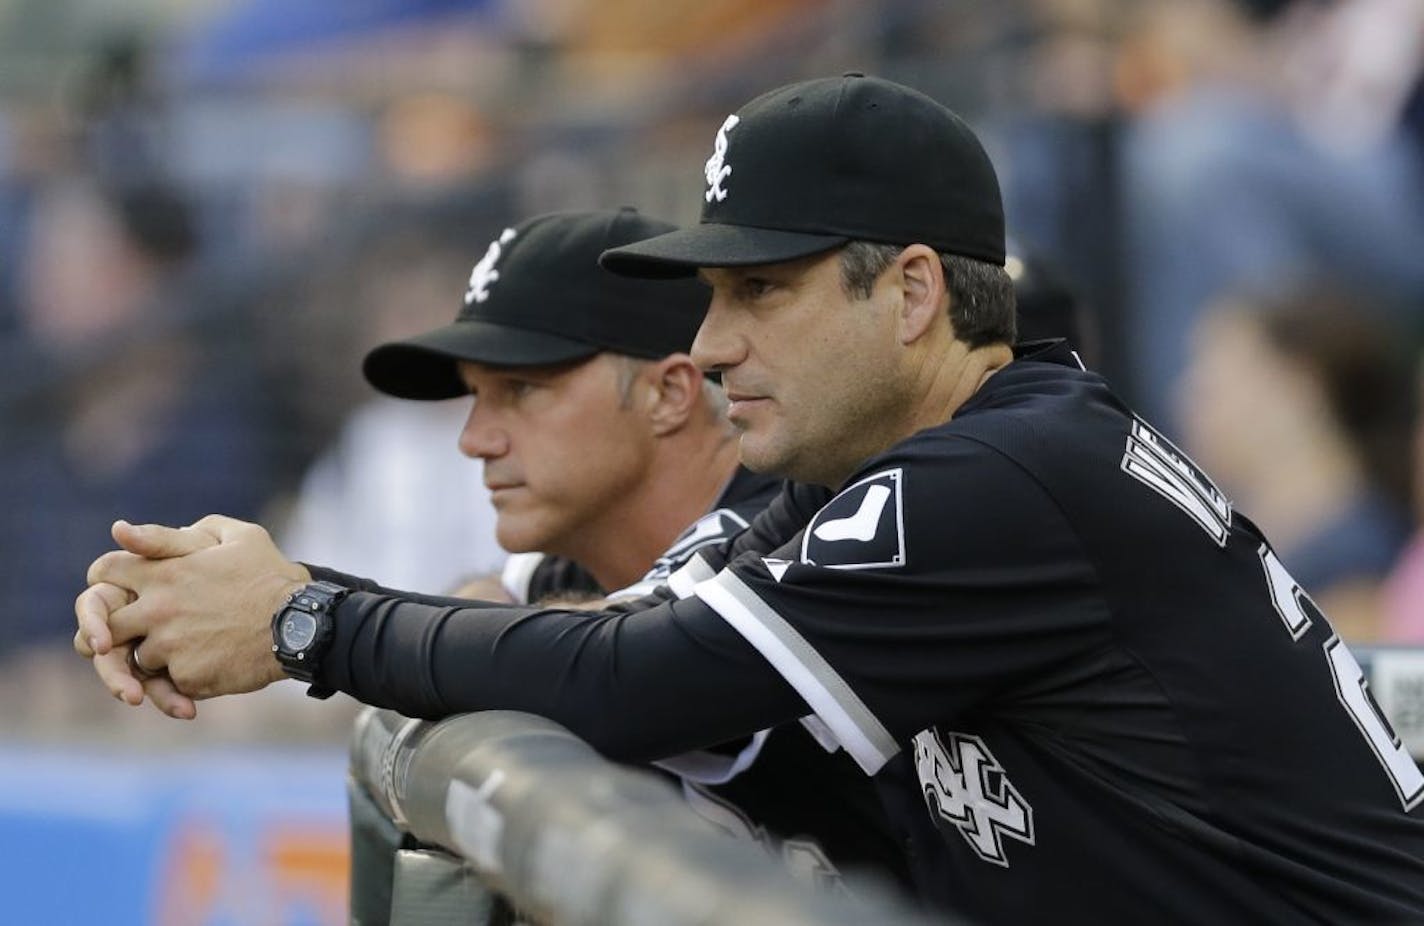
column 716, row 170
column 484, row 275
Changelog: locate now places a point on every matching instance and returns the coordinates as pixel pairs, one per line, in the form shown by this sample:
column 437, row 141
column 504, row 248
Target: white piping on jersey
column 702, row 766
column 713, row 768
column 858, row 730
column 820, row 733
column 684, row 581
column 719, row 813
column 636, row 590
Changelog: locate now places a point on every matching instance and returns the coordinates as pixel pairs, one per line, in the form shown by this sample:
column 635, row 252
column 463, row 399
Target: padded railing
column 478, row 816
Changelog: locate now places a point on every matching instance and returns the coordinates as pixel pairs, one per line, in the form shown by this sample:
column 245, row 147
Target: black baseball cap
column 1047, row 305
column 809, row 166
column 537, row 296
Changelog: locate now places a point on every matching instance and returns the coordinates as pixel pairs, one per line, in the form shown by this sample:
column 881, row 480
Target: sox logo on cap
column 484, row 274
column 716, row 169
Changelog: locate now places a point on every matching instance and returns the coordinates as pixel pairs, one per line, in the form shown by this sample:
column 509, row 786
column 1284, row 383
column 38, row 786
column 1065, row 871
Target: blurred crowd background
column 209, row 211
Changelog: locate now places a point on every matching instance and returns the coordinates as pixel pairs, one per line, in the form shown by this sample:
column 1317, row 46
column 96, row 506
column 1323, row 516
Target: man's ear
column 676, row 392
column 925, row 294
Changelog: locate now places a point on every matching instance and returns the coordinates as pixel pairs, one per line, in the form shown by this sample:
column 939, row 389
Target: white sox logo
column 965, row 786
column 861, row 528
column 484, row 275
column 716, row 170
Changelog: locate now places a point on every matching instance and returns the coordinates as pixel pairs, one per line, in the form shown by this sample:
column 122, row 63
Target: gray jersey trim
column 684, row 581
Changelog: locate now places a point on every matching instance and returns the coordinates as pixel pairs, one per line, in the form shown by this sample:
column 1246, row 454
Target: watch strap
column 319, row 599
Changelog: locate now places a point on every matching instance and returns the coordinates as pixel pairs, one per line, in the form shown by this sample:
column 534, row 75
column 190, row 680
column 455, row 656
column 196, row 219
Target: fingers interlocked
column 136, row 666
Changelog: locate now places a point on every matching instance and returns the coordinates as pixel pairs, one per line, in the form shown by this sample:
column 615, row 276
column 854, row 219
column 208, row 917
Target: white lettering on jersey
column 712, row 528
column 717, row 170
column 1352, row 689
column 861, row 528
column 965, row 786
column 1156, row 462
column 484, row 275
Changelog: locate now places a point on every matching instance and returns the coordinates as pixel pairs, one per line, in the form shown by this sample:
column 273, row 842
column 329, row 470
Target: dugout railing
column 501, row 817
column 473, row 818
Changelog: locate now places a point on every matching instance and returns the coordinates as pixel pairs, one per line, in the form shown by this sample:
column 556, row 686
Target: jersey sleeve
column 941, row 576
column 637, row 684
column 358, row 583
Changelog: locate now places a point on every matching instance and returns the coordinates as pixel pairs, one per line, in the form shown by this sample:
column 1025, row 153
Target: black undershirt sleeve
column 637, row 685
column 356, row 583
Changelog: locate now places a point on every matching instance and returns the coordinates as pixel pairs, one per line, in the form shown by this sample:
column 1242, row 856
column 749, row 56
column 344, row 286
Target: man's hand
column 93, row 640
column 94, row 605
column 112, row 663
column 202, row 613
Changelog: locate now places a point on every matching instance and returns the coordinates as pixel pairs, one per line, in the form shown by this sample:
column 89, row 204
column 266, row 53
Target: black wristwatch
column 302, row 631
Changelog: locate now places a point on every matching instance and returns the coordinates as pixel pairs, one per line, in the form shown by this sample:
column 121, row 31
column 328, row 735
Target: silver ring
column 136, row 667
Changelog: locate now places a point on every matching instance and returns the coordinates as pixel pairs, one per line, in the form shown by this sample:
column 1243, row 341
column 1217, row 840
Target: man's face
column 561, row 447
column 810, row 372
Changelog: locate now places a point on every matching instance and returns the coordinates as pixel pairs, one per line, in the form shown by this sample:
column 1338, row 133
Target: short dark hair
column 981, row 294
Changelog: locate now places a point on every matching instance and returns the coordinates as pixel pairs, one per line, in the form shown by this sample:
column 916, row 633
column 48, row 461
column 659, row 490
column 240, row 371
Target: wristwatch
column 302, row 631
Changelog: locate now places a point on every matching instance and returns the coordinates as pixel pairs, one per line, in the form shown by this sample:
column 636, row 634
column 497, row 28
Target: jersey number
column 1295, row 608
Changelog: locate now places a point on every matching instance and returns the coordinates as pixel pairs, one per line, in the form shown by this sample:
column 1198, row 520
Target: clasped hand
column 183, row 614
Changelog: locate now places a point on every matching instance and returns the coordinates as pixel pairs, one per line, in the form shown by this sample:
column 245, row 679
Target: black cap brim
column 682, row 252
column 424, row 367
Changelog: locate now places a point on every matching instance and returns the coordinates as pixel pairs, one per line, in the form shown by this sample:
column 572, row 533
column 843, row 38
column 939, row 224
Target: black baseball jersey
column 1086, row 686
column 804, row 801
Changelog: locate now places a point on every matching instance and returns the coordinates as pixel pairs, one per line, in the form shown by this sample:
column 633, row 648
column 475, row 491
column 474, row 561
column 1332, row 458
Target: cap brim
column 680, row 253
column 424, row 367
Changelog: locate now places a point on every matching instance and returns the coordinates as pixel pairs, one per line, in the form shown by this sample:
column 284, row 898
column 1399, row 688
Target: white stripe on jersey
column 820, row 733
column 857, row 729
column 684, row 581
column 713, row 768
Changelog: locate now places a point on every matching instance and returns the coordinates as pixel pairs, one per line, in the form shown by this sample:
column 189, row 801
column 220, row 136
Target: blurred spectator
column 122, row 112
column 392, row 495
column 1059, row 157
column 1404, row 592
column 1297, row 406
column 123, row 400
column 1269, row 146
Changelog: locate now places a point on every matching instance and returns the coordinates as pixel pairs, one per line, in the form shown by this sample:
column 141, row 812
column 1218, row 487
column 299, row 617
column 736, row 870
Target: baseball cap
column 809, row 166
column 1047, row 305
column 537, row 296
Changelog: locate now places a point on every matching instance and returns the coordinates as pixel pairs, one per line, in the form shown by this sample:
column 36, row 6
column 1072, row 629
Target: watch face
column 298, row 631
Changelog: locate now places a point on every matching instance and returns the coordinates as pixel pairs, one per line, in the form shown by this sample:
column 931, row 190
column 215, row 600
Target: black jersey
column 803, row 800
column 1085, row 684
